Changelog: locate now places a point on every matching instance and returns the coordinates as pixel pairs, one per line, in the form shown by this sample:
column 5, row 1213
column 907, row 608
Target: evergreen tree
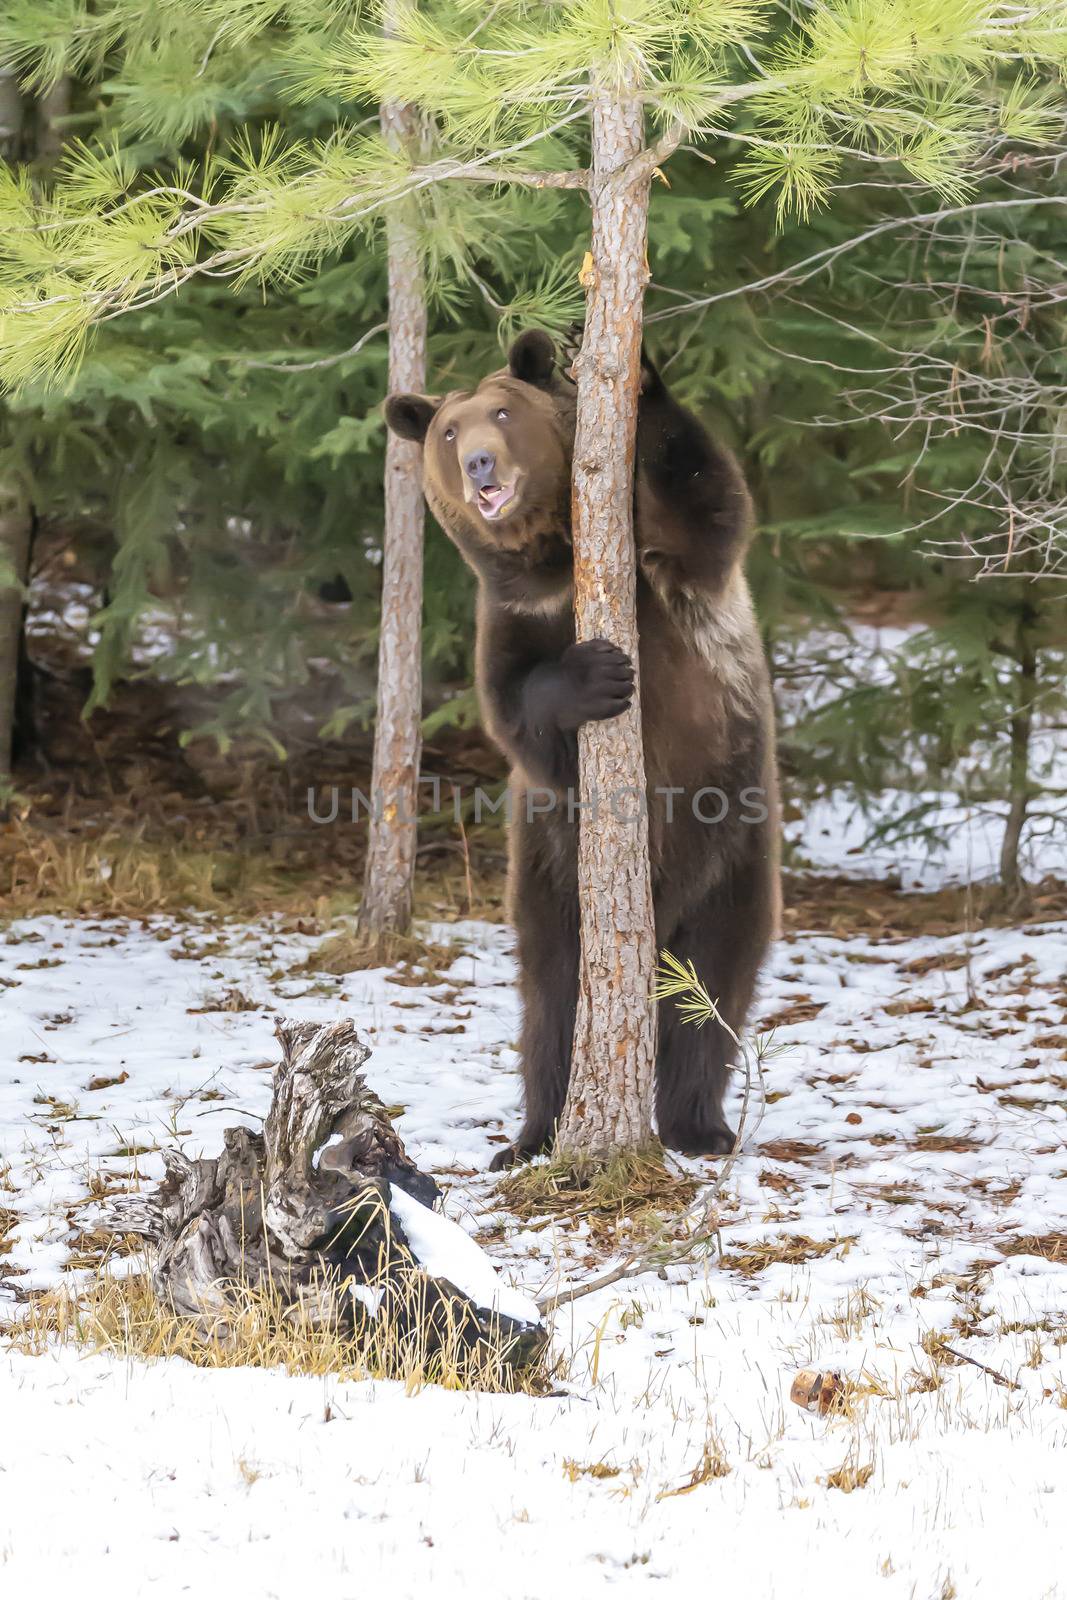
column 943, row 346
column 234, row 435
column 14, row 503
column 389, row 876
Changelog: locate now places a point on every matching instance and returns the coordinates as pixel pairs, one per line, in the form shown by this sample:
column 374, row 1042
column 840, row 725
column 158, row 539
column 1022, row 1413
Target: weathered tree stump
column 325, row 1211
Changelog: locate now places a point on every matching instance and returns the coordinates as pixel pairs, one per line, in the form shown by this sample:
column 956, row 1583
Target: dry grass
column 1051, row 1246
column 843, row 906
column 712, row 1464
column 8, row 1223
column 635, row 1185
column 849, row 1476
column 122, row 1316
column 66, row 856
column 88, row 1248
column 82, row 864
column 850, row 1316
column 352, row 951
column 791, row 1249
column 594, row 1469
column 117, row 872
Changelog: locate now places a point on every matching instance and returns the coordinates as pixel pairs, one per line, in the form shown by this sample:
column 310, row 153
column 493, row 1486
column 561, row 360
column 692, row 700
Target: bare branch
column 314, row 366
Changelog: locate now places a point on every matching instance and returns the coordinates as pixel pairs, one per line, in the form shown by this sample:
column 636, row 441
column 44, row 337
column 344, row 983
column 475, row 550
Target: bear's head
column 497, row 459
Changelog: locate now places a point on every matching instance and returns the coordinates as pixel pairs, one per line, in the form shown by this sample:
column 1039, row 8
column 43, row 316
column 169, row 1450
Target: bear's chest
column 702, row 676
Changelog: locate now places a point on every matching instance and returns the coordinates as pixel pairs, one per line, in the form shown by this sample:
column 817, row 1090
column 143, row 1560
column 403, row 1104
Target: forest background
column 191, row 520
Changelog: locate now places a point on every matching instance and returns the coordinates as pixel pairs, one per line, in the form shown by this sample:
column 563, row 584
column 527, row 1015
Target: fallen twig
column 997, row 1377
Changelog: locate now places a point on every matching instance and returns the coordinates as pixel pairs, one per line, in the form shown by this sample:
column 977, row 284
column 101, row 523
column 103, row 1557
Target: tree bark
column 1020, row 729
column 51, row 109
column 389, row 875
column 15, row 520
column 15, row 525
column 12, row 116
column 609, row 1103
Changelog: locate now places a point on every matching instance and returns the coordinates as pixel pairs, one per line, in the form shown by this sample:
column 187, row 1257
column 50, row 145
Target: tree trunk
column 389, row 876
column 51, row 109
column 15, row 524
column 15, row 519
column 12, row 115
column 1020, row 728
column 609, row 1104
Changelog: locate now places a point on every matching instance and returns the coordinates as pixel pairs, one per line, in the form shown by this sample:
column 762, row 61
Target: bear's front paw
column 599, row 682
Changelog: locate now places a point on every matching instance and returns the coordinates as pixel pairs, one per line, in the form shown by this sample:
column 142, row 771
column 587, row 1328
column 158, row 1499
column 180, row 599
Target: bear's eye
column 450, row 434
column 502, row 415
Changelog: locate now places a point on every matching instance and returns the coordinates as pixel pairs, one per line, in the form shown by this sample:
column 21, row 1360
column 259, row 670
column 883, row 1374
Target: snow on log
column 326, row 1209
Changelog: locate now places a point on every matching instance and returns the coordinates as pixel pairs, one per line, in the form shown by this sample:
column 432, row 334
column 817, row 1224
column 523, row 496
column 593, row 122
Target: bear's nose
column 480, row 466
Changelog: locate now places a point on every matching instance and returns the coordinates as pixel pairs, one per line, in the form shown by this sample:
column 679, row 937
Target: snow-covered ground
column 837, row 834
column 925, row 838
column 907, row 1178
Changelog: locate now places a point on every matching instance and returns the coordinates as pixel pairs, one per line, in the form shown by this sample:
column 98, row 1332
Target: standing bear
column 497, row 472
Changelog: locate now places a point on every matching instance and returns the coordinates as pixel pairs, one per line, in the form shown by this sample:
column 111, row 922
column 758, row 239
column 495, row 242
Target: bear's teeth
column 491, row 499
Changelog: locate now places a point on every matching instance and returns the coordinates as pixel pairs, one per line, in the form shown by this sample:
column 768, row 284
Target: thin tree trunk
column 12, row 115
column 15, row 521
column 1020, row 729
column 609, row 1104
column 20, row 138
column 15, row 526
column 389, row 878
column 51, row 109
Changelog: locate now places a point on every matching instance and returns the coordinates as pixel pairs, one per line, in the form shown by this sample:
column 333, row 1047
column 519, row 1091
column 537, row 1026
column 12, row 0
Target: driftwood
column 308, row 1211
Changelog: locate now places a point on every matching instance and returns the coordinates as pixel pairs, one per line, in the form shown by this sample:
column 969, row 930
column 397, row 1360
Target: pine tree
column 14, row 507
column 29, row 132
column 943, row 344
column 389, row 876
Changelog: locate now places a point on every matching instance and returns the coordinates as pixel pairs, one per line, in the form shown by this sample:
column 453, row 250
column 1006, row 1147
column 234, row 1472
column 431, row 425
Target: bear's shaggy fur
column 497, row 467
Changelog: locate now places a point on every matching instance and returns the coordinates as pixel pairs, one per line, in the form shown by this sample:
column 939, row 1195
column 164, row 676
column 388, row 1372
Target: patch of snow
column 446, row 1251
column 929, row 838
column 961, row 842
column 367, row 1296
column 904, row 1182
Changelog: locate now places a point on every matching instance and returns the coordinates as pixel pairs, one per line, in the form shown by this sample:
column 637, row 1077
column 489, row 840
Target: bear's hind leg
column 546, row 921
column 726, row 939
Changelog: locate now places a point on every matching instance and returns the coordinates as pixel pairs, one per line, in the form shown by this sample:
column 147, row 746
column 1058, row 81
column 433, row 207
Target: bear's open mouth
column 493, row 498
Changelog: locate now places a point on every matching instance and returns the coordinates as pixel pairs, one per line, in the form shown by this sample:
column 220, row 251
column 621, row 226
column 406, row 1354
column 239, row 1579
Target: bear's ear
column 410, row 415
column 532, row 358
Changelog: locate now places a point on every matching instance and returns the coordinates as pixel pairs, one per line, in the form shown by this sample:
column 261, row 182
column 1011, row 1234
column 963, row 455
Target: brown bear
column 497, row 473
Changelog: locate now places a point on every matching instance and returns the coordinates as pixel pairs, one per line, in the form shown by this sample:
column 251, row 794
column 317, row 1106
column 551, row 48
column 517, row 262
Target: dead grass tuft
column 924, row 1382
column 232, row 1000
column 92, row 1246
column 1050, row 1246
column 791, row 1249
column 850, row 1476
column 946, row 1144
column 712, row 1464
column 8, row 1223
column 358, row 952
column 632, row 1184
column 594, row 1469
